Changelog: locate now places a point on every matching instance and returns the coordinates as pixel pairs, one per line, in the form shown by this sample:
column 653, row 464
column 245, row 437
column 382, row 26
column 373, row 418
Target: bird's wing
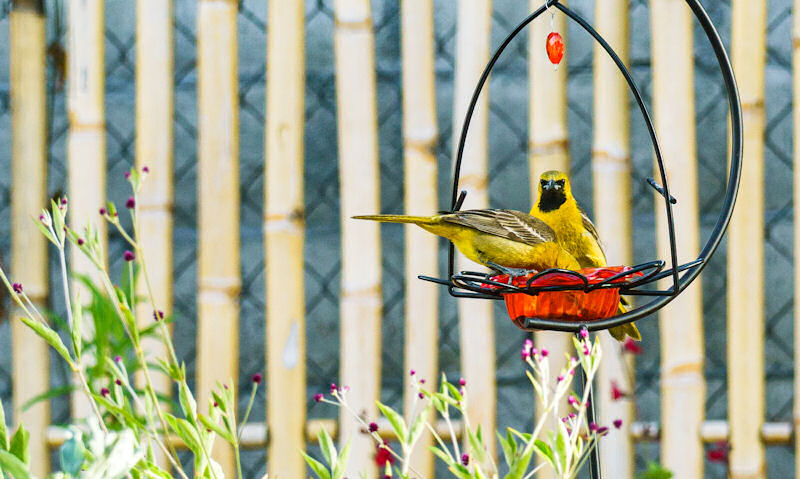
column 509, row 224
column 589, row 228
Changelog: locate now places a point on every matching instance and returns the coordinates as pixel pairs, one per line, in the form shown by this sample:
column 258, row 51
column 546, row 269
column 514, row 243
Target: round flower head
column 257, row 378
column 17, row 287
column 129, row 256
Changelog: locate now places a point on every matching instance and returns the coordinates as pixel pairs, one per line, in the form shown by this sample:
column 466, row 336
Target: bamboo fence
column 683, row 429
column 359, row 180
column 420, row 134
column 681, row 322
column 611, row 172
column 218, row 264
column 796, row 111
column 284, row 235
column 746, row 385
column 476, row 320
column 29, row 187
column 86, row 144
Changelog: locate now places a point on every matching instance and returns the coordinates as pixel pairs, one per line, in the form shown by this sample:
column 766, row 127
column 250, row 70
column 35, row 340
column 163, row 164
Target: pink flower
column 544, row 352
column 129, row 256
column 617, row 423
column 333, row 388
column 462, row 382
column 145, row 169
column 103, row 211
column 257, row 378
column 719, row 453
column 383, row 456
column 131, row 203
column 465, row 459
column 17, row 287
column 104, row 392
column 584, row 333
column 373, row 427
column 630, row 346
column 616, row 392
column 317, row 397
column 413, row 372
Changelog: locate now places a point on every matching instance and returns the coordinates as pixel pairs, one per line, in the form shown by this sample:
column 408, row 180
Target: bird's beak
column 549, row 186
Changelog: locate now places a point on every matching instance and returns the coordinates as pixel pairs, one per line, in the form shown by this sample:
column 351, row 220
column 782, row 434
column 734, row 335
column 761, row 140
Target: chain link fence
column 508, row 189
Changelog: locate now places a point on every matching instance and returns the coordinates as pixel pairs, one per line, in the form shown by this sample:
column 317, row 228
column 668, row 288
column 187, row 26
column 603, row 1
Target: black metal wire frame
column 480, row 285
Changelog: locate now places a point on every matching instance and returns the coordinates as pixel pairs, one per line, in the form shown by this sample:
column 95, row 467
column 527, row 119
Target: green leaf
column 327, row 447
column 519, row 465
column 508, row 453
column 77, row 325
column 72, row 455
column 19, row 445
column 120, row 412
column 545, row 451
column 656, row 471
column 396, row 420
column 419, row 425
column 561, row 449
column 442, row 455
column 478, row 449
column 185, row 431
column 45, row 230
column 58, row 221
column 454, row 392
column 47, row 395
column 319, row 469
column 50, row 336
column 341, row 464
column 460, row 471
column 216, row 427
column 188, row 404
column 11, row 464
column 3, row 430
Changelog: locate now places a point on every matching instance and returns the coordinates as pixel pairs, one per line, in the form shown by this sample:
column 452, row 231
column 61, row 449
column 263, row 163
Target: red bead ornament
column 555, row 47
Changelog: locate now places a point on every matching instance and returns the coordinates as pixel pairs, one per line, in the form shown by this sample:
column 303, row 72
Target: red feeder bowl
column 571, row 305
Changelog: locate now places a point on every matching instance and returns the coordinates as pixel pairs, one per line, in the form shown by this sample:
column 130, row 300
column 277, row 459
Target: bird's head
column 554, row 190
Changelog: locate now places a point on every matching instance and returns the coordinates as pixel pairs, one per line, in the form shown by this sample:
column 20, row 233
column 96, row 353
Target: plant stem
column 247, row 412
column 78, row 369
column 65, row 284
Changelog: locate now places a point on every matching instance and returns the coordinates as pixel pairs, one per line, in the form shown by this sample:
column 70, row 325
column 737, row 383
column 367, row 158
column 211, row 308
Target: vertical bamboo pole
column 420, row 135
column 548, row 147
column 219, row 275
column 476, row 320
column 681, row 323
column 284, row 234
column 611, row 171
column 31, row 365
column 359, row 180
column 86, row 144
column 796, row 51
column 154, row 144
column 746, row 388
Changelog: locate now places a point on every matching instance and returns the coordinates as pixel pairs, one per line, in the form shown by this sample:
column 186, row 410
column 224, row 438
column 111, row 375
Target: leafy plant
column 129, row 423
column 564, row 450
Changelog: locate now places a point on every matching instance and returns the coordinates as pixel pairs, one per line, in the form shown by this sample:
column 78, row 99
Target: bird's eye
column 543, row 182
column 560, row 183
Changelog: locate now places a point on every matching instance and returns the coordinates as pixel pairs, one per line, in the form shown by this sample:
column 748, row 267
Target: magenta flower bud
column 64, row 201
column 413, row 372
column 617, row 423
column 104, row 392
column 103, row 211
column 145, row 169
column 544, row 353
column 131, row 203
column 462, row 382
column 593, row 427
column 80, row 241
column 17, row 287
column 465, row 459
column 129, row 256
column 118, row 382
column 257, row 378
column 525, row 355
column 421, row 396
column 333, row 388
column 373, row 427
column 572, row 401
column 117, row 359
column 318, row 397
column 422, row 381
column 158, row 315
column 127, row 175
column 560, row 378
column 215, row 404
column 584, row 333
column 41, row 218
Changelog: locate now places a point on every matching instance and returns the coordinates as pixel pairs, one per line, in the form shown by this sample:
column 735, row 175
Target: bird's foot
column 513, row 272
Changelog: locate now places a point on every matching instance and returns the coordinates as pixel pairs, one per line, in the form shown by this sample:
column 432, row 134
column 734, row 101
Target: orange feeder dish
column 565, row 305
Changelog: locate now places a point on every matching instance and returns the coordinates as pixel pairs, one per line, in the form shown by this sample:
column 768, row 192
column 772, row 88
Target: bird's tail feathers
column 629, row 329
column 417, row 220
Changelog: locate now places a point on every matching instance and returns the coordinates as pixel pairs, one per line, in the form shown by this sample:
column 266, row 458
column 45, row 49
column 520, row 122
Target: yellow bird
column 499, row 239
column 575, row 232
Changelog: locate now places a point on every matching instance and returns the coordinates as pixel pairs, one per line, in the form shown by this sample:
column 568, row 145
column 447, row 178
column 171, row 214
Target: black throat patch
column 551, row 200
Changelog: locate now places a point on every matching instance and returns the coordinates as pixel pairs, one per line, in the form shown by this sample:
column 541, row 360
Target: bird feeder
column 562, row 300
column 572, row 301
